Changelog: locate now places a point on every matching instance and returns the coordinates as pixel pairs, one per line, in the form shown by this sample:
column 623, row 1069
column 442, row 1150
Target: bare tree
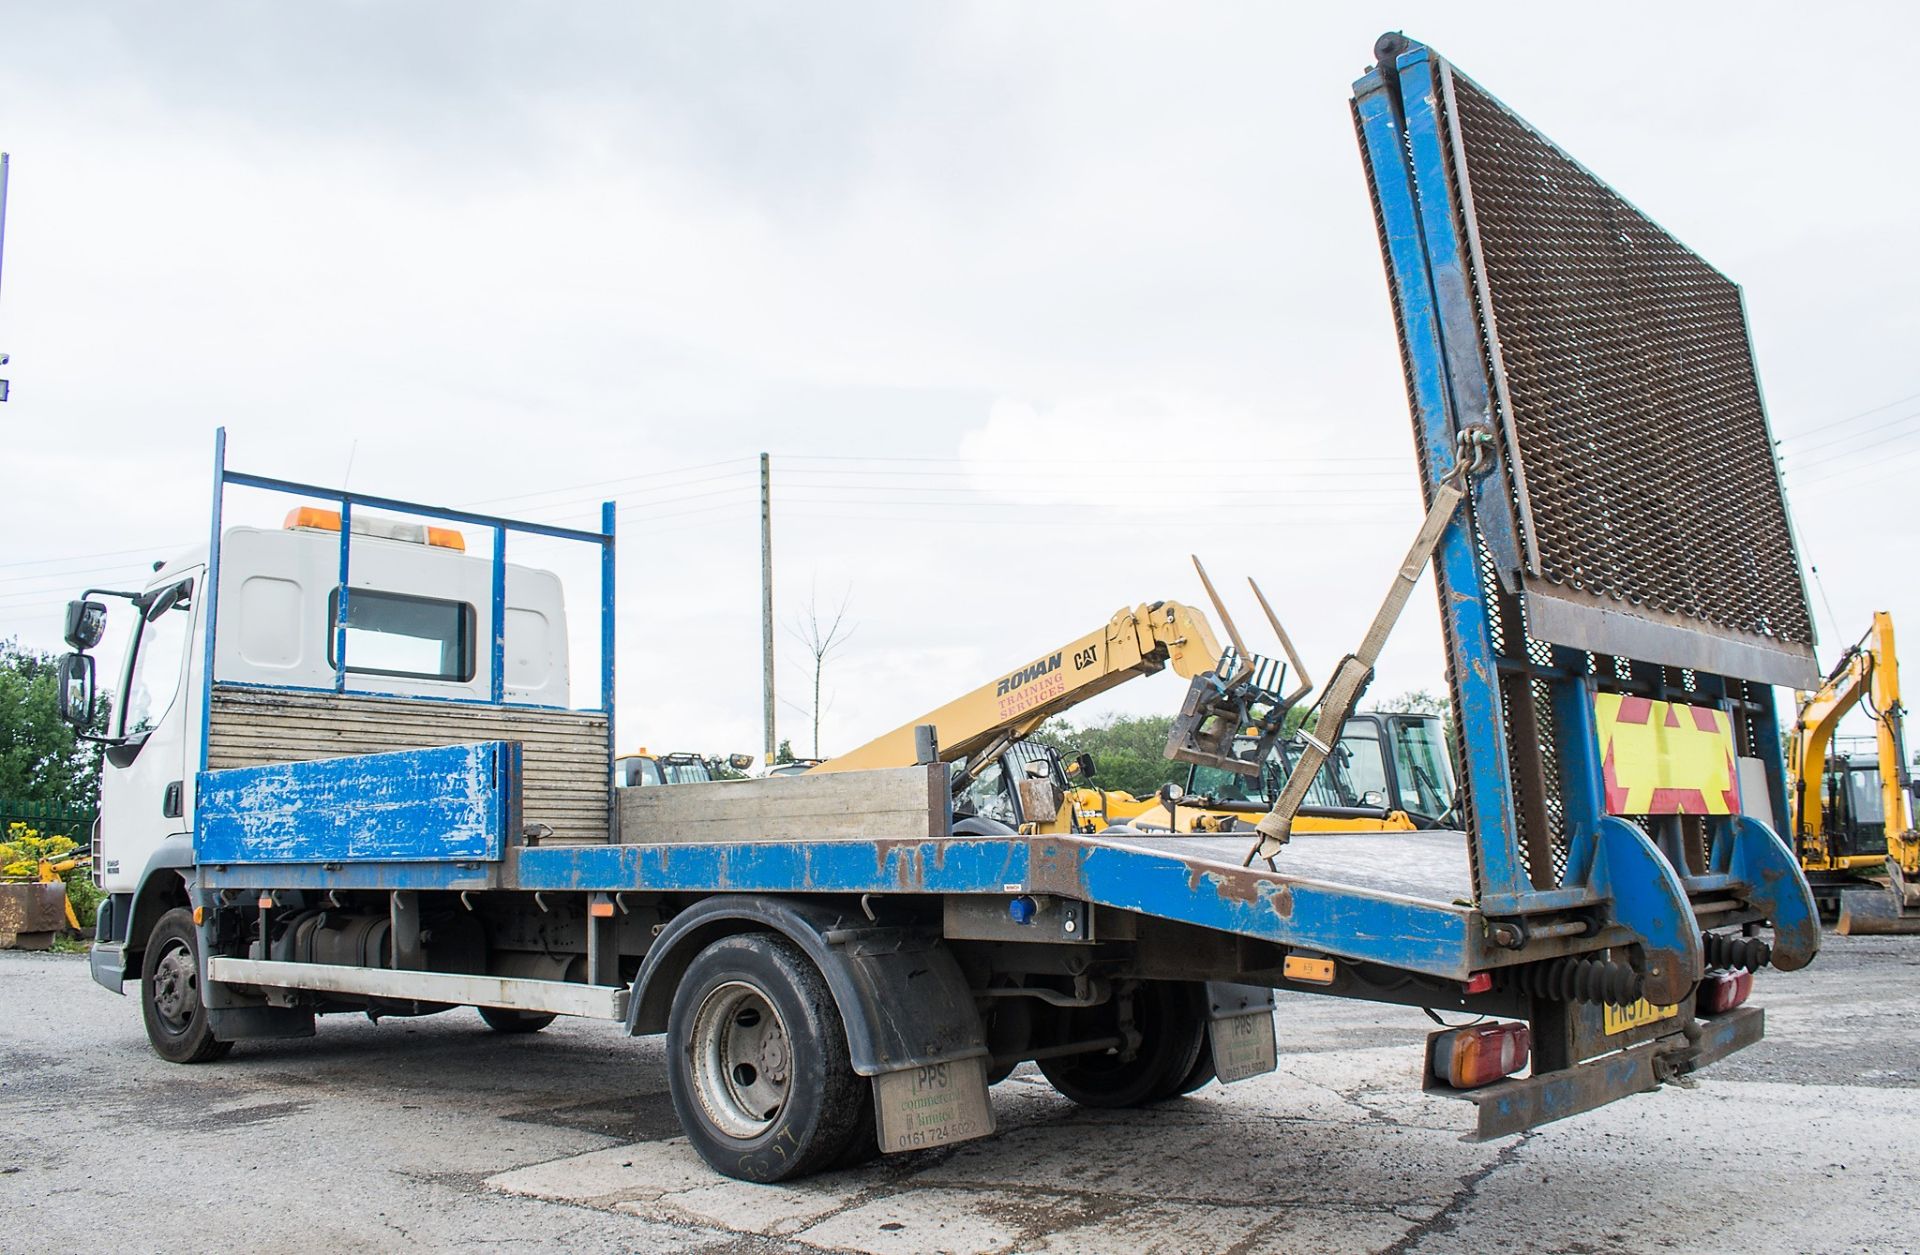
column 823, row 635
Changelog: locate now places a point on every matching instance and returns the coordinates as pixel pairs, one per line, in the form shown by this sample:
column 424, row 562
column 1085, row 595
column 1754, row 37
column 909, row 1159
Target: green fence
column 48, row 821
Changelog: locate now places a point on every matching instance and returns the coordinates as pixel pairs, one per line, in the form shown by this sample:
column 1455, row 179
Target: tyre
column 1173, row 1034
column 757, row 1063
column 502, row 1020
column 170, row 999
column 1201, row 1074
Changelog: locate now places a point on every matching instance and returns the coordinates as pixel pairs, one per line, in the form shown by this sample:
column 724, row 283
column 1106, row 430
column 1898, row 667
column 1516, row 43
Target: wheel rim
column 176, row 987
column 742, row 1060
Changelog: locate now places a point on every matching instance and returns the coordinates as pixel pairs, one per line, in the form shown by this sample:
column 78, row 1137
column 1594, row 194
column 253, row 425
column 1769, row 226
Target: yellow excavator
column 1852, row 812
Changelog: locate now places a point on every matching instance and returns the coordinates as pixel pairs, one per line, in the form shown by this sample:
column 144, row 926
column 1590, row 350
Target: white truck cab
column 417, row 610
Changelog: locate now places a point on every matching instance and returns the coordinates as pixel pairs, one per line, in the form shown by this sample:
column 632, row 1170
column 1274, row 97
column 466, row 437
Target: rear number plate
column 932, row 1105
column 1243, row 1045
column 1620, row 1019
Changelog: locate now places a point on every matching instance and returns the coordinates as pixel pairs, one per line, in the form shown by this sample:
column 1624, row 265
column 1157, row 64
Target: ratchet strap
column 1350, row 678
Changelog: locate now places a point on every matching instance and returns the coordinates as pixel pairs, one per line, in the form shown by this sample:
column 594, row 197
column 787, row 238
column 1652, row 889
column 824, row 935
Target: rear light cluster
column 1467, row 1058
column 1723, row 991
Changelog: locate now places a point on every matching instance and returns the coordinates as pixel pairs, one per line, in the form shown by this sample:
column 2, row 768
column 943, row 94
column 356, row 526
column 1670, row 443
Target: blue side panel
column 455, row 802
column 946, row 866
column 1346, row 922
column 1351, row 923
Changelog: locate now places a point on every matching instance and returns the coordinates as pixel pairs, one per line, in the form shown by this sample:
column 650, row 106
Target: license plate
column 1620, row 1019
column 932, row 1105
column 1242, row 1045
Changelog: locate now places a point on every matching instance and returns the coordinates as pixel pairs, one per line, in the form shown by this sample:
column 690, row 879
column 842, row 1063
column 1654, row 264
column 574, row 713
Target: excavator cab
column 1857, row 816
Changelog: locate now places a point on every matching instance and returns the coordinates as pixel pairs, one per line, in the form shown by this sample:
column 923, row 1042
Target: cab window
column 396, row 634
column 990, row 796
column 1425, row 773
column 159, row 659
column 1359, row 768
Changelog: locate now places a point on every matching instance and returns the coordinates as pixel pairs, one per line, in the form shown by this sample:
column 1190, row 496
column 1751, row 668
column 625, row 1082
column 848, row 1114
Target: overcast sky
column 1026, row 301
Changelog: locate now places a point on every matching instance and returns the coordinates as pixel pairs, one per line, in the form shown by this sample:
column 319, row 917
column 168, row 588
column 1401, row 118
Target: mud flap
column 1777, row 886
column 1645, row 896
column 932, row 1105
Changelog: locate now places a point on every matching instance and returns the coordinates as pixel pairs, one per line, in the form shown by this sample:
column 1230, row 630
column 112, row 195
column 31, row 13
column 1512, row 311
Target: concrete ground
column 436, row 1133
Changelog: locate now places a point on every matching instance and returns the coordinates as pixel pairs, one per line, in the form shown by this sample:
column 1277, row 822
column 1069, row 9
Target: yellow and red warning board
column 1665, row 758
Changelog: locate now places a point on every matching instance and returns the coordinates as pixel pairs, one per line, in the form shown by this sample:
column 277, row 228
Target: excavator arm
column 1869, row 674
column 1135, row 642
column 1808, row 750
column 1868, row 671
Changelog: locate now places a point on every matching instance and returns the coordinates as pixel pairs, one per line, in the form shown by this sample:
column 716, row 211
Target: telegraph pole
column 4, row 161
column 766, row 607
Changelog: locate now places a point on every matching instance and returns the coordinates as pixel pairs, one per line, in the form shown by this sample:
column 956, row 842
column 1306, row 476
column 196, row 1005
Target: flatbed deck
column 1396, row 898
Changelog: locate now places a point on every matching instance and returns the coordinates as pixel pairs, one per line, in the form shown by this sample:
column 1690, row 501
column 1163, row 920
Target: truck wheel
column 502, row 1020
column 170, row 993
column 1201, row 1074
column 757, row 1062
column 1173, row 1033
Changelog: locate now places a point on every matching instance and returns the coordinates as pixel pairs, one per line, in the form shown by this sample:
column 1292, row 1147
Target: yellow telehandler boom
column 1006, row 709
column 1837, row 832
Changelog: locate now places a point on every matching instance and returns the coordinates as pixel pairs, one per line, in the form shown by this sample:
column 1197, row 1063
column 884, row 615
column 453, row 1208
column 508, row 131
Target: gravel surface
column 436, row 1133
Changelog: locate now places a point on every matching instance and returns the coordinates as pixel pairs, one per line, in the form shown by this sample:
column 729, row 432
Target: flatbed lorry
column 342, row 774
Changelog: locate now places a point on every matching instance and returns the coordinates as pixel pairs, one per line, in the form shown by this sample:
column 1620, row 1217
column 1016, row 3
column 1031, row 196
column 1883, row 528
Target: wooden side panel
column 567, row 775
column 451, row 802
column 904, row 803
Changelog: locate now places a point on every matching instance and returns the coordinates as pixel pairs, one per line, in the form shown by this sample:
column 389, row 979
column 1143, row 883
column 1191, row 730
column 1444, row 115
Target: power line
column 148, row 550
column 1845, row 456
column 602, row 483
column 1790, row 455
column 857, row 490
column 1135, row 470
column 1135, row 461
column 1841, row 422
column 1858, row 475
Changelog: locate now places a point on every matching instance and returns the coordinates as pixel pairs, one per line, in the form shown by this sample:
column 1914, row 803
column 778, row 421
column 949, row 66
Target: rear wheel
column 757, row 1063
column 1202, row 1073
column 170, row 999
column 502, row 1020
column 1168, row 1017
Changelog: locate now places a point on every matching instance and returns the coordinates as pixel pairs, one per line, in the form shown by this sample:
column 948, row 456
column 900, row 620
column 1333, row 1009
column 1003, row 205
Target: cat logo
column 1027, row 675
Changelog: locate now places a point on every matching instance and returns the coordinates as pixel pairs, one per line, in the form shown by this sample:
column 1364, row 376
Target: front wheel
column 757, row 1063
column 170, row 999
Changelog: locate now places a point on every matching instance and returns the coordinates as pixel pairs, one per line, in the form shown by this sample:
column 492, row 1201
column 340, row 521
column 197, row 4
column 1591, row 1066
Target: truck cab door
column 146, row 784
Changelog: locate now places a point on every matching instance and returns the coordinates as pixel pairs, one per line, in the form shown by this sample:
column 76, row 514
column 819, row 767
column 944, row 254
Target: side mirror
column 1036, row 769
column 739, row 762
column 86, row 623
column 1080, row 767
column 167, row 598
column 76, row 695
